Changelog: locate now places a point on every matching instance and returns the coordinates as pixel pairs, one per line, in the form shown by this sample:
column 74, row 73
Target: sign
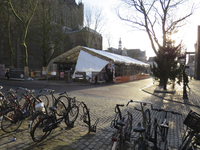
column 62, row 74
column 44, row 72
column 2, row 66
column 53, row 73
column 112, row 66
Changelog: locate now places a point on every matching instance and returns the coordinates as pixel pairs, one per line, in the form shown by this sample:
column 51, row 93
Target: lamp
column 181, row 60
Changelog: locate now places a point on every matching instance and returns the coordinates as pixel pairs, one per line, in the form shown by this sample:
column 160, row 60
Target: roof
column 71, row 56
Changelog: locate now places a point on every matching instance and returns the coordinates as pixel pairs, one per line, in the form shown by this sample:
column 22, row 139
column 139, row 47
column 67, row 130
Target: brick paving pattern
column 103, row 109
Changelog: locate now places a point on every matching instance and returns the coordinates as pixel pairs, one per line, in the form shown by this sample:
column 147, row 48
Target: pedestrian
column 107, row 79
column 96, row 78
column 8, row 74
column 186, row 80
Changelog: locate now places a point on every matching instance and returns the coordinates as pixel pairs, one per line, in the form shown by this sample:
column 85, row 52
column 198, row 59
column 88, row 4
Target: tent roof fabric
column 71, row 56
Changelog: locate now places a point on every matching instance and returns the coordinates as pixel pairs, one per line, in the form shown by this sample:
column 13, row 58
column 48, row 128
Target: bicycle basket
column 193, row 121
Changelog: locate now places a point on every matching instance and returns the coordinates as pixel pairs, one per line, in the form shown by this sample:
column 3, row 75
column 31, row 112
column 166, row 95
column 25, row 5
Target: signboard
column 80, row 75
column 2, row 66
column 53, row 73
column 62, row 74
column 112, row 66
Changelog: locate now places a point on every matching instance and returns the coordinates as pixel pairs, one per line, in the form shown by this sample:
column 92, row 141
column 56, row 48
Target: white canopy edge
column 71, row 56
column 117, row 58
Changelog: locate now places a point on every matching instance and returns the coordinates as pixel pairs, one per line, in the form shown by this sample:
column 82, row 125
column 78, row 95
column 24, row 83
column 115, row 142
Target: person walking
column 96, row 78
column 186, row 81
column 7, row 74
column 107, row 79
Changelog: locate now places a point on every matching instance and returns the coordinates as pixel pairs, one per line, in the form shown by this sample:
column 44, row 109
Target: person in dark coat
column 186, row 81
column 107, row 79
column 8, row 74
column 96, row 78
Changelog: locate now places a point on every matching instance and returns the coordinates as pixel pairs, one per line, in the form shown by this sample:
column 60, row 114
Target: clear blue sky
column 138, row 39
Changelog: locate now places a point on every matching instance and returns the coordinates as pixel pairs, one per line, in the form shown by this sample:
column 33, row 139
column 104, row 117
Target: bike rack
column 91, row 128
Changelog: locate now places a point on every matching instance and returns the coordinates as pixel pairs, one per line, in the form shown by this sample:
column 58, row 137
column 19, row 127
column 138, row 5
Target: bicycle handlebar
column 48, row 90
column 24, row 89
column 173, row 112
column 63, row 93
column 141, row 102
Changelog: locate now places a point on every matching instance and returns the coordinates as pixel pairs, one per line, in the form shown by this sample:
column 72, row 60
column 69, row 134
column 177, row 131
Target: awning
column 72, row 55
column 91, row 60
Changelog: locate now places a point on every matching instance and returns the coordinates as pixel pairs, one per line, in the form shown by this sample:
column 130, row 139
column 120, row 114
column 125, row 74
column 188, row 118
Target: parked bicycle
column 56, row 102
column 191, row 138
column 47, row 123
column 147, row 132
column 123, row 124
column 12, row 118
column 6, row 100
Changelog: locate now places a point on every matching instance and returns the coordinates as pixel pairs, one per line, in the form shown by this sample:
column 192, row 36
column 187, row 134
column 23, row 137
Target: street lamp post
column 185, row 96
column 182, row 60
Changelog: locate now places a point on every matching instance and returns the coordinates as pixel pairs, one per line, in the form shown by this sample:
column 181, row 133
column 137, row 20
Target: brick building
column 70, row 16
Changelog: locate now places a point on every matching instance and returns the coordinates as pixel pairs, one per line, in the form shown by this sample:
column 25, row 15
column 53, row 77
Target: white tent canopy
column 89, row 59
column 88, row 63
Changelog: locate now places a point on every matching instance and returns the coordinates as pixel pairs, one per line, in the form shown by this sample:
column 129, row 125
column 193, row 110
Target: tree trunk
column 44, row 71
column 163, row 83
column 26, row 72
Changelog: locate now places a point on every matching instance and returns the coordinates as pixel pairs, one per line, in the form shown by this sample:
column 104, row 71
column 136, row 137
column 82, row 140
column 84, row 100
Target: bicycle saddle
column 121, row 122
column 139, row 128
column 52, row 109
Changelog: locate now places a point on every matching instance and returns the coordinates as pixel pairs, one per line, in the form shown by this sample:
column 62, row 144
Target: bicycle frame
column 121, row 127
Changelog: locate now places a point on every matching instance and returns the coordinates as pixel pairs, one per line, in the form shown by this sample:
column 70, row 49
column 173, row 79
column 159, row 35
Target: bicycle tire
column 36, row 114
column 129, row 128
column 44, row 99
column 10, row 126
column 72, row 116
column 61, row 107
column 35, row 118
column 38, row 133
column 139, row 145
column 186, row 143
column 148, row 122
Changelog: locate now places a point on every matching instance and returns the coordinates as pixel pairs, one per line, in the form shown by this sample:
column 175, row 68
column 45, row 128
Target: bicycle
column 47, row 123
column 123, row 124
column 191, row 138
column 12, row 118
column 6, row 100
column 59, row 105
column 151, row 133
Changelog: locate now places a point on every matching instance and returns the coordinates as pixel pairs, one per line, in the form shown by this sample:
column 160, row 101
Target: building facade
column 70, row 17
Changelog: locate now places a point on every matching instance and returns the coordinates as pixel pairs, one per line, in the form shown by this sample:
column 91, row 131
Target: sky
column 134, row 39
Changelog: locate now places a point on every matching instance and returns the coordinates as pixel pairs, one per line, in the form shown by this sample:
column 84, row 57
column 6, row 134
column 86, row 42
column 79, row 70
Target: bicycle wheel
column 11, row 120
column 186, row 143
column 129, row 127
column 44, row 99
column 148, row 122
column 72, row 116
column 139, row 145
column 35, row 118
column 60, row 106
column 41, row 129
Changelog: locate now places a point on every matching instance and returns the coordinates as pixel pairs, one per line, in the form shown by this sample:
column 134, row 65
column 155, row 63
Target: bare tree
column 94, row 23
column 109, row 39
column 159, row 18
column 46, row 34
column 6, row 18
column 24, row 11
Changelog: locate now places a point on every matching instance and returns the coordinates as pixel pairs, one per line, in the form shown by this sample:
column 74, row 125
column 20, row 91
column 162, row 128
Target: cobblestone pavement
column 103, row 109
